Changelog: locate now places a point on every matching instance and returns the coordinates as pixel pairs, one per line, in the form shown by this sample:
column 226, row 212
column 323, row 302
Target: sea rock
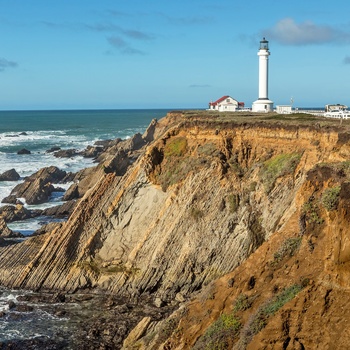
column 38, row 187
column 23, row 151
column 60, row 211
column 66, row 153
column 17, row 212
column 4, row 230
column 92, row 151
column 53, row 149
column 9, row 175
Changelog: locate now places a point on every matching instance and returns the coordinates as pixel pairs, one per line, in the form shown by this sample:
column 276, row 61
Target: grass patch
column 330, row 198
column 176, row 146
column 221, row 334
column 278, row 166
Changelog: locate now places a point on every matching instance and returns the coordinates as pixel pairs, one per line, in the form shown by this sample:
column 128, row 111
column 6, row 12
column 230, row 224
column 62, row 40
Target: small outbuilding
column 225, row 104
column 284, row 109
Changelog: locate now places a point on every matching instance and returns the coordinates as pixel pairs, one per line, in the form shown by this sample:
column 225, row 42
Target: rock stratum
column 238, row 222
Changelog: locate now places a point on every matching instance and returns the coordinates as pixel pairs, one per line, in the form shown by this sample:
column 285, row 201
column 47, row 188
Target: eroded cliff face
column 196, row 205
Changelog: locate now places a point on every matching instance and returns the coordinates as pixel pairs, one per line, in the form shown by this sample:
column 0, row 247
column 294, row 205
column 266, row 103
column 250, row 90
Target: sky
column 111, row 54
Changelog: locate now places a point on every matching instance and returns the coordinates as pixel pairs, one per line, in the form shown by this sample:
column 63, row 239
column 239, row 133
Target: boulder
column 23, row 151
column 9, row 175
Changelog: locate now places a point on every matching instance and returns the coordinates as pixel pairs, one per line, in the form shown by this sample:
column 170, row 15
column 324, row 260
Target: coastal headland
column 229, row 229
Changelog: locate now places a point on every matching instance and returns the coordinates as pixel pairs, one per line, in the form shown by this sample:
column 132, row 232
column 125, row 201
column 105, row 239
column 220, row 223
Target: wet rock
column 10, row 175
column 23, row 151
column 11, row 304
column 11, row 199
column 24, row 308
column 66, row 153
column 53, row 149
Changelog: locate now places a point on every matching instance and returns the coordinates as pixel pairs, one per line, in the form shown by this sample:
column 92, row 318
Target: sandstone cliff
column 208, row 197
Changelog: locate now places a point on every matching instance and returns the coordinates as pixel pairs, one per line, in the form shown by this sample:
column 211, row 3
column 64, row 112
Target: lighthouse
column 263, row 104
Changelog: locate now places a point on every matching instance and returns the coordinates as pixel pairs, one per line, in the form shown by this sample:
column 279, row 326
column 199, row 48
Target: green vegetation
column 176, row 146
column 242, row 303
column 260, row 319
column 288, row 248
column 277, row 166
column 311, row 210
column 233, row 202
column 221, row 334
column 330, row 198
column 196, row 213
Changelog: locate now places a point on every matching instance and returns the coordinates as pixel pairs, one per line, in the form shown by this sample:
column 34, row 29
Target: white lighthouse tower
column 263, row 104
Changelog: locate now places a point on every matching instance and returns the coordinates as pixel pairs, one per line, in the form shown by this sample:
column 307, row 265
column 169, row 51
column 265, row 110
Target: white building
column 263, row 104
column 287, row 109
column 225, row 104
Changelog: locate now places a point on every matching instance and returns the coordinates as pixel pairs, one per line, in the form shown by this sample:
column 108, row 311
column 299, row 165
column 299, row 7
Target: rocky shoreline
column 109, row 155
column 101, row 321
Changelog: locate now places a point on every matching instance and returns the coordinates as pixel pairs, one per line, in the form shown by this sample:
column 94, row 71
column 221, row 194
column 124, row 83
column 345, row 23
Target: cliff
column 215, row 212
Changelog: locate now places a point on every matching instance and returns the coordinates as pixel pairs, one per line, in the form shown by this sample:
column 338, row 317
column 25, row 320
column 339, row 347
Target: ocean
column 39, row 131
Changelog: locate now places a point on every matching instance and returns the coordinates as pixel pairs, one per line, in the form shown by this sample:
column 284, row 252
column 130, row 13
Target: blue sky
column 170, row 54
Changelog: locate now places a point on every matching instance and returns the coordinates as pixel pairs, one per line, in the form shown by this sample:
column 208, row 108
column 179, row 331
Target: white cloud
column 288, row 32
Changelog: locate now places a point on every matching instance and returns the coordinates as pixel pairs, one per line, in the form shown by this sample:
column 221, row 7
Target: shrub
column 288, row 248
column 278, row 166
column 330, row 198
column 311, row 210
column 233, row 201
column 221, row 334
column 242, row 303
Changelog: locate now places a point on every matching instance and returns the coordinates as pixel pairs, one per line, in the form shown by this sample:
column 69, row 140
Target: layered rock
column 194, row 206
column 37, row 188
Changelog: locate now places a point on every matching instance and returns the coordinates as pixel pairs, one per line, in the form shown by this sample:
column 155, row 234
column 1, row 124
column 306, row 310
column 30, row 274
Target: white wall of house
column 284, row 109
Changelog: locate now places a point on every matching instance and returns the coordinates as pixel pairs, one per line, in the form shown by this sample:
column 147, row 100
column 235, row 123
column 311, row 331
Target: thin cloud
column 288, row 32
column 187, row 20
column 123, row 47
column 200, row 86
column 346, row 60
column 4, row 64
